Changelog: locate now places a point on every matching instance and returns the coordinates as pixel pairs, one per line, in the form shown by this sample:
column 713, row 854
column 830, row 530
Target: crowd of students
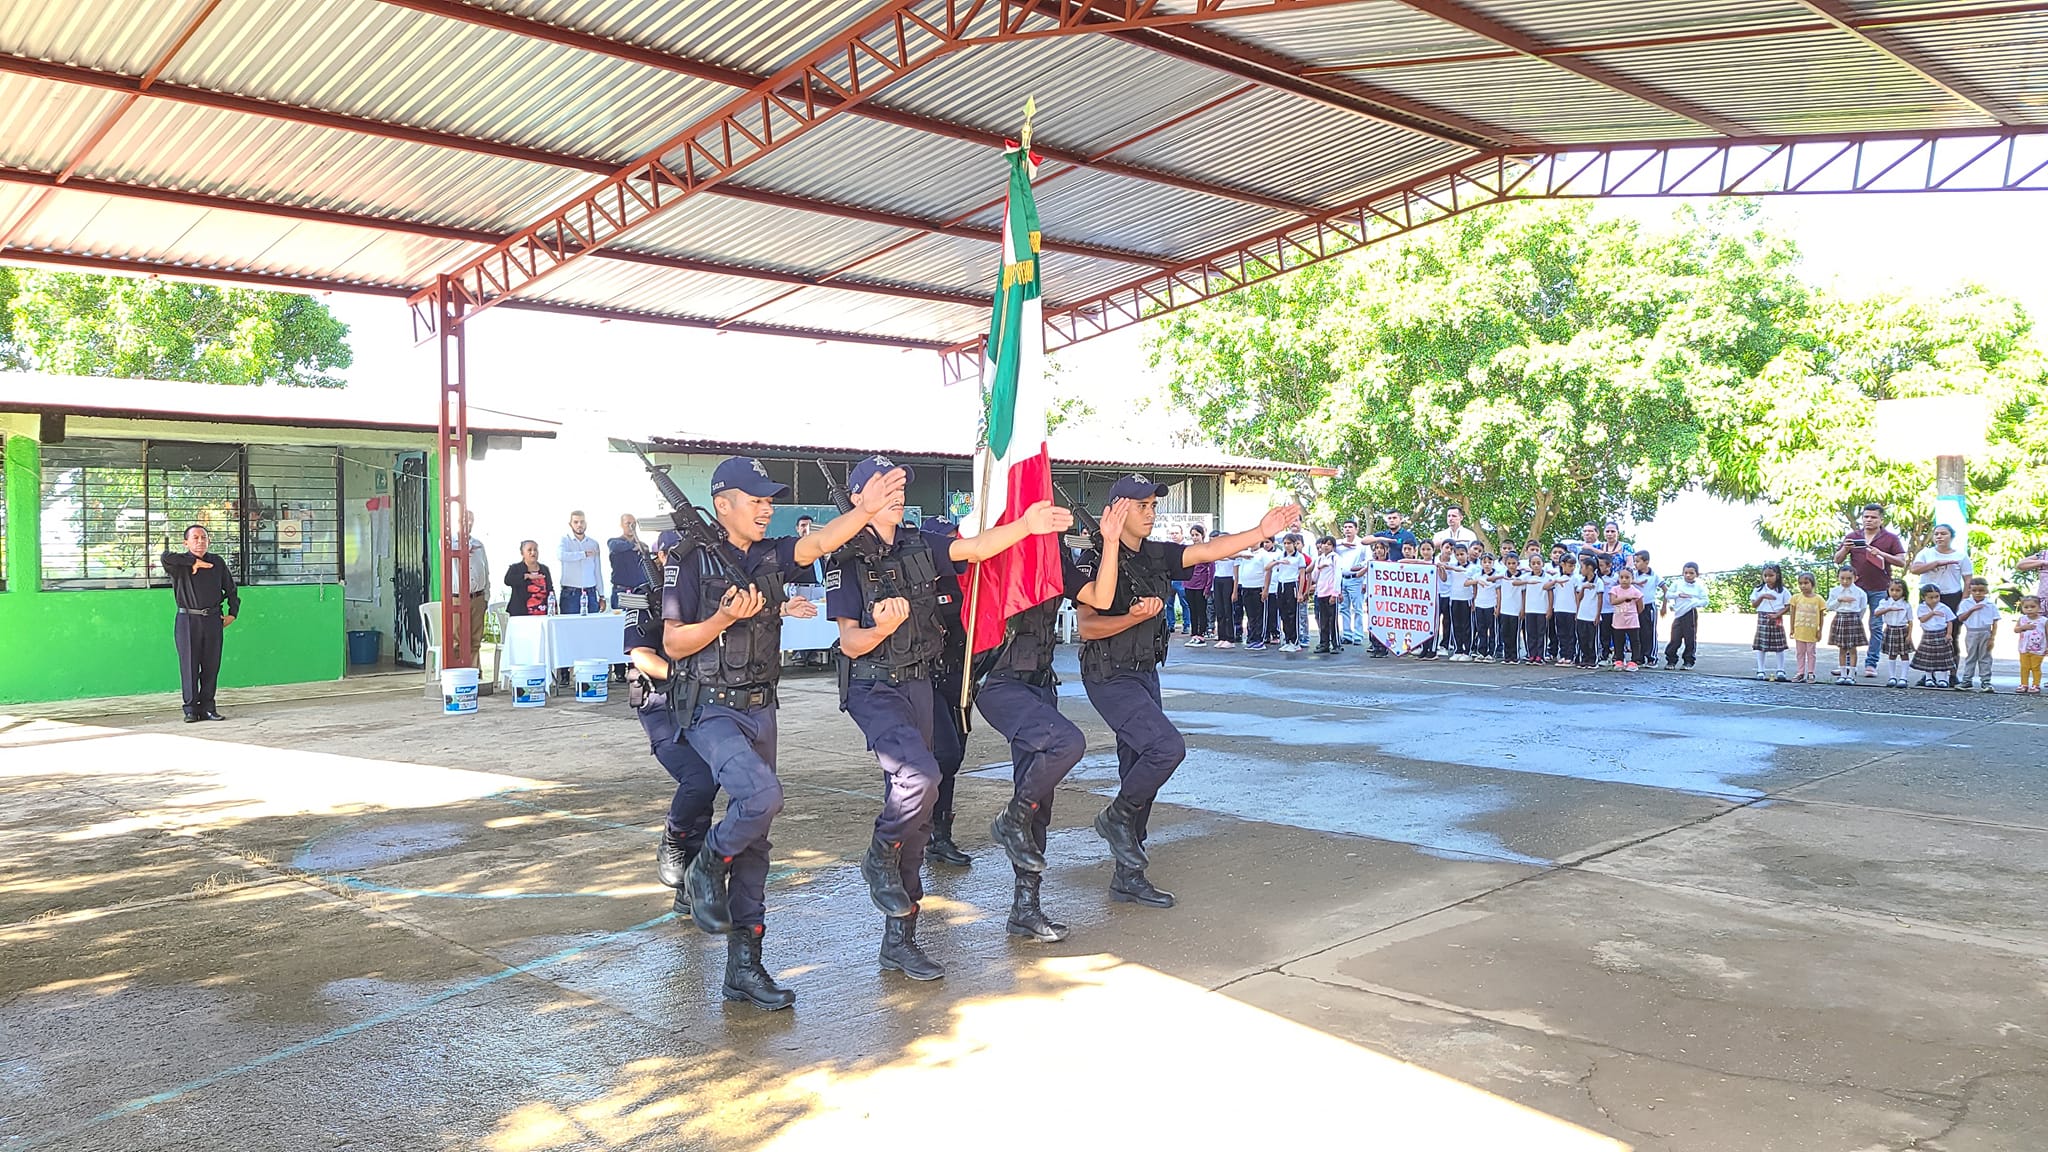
column 1596, row 602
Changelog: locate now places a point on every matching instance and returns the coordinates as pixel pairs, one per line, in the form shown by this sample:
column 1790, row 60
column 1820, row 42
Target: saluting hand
column 741, row 603
column 1146, row 607
column 198, row 565
column 800, row 608
column 1113, row 518
column 880, row 492
column 1046, row 516
column 1279, row 519
column 890, row 614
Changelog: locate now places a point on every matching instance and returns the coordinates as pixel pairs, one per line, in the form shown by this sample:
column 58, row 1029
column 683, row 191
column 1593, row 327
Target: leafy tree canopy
column 1536, row 365
column 79, row 324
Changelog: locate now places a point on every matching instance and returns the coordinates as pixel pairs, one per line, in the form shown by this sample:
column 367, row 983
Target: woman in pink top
column 1329, row 590
column 1628, row 603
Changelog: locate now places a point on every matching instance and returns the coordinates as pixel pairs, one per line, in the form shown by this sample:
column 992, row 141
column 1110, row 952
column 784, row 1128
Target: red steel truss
column 1952, row 161
column 452, row 447
column 900, row 38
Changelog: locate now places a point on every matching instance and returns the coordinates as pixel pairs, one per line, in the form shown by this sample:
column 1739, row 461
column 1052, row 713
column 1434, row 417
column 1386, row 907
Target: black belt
column 878, row 672
column 474, row 595
column 197, row 611
column 1037, row 678
column 741, row 699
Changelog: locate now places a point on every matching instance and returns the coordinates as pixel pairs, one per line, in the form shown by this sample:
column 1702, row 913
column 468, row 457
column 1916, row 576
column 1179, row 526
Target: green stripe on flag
column 1016, row 282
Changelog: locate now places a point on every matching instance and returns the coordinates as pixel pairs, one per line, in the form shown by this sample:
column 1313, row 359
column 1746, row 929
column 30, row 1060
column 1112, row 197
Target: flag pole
column 988, row 463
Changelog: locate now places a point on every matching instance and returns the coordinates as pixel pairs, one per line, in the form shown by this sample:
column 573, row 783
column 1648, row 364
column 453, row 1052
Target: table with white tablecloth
column 560, row 641
column 815, row 634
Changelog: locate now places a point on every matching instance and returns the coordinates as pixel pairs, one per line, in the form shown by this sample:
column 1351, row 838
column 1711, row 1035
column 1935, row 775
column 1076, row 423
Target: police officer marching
column 722, row 616
column 883, row 591
column 647, row 693
column 1019, row 697
column 949, row 730
column 1123, row 646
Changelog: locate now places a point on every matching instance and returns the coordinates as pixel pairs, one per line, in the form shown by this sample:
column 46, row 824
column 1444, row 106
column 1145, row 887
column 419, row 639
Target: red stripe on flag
column 1024, row 576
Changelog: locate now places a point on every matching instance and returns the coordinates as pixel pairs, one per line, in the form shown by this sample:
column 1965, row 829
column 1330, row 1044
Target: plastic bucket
column 364, row 646
column 593, row 681
column 458, row 691
column 529, row 685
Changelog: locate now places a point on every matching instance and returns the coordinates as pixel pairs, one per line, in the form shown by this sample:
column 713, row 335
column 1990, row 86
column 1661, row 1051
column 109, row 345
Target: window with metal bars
column 111, row 507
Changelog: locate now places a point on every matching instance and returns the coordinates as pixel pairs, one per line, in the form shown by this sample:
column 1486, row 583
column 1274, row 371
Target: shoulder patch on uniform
column 670, row 575
column 833, row 579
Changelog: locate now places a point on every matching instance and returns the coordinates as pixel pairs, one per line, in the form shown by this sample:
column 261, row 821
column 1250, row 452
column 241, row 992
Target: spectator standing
column 1201, row 578
column 208, row 601
column 532, row 585
column 1628, row 604
column 1845, row 631
column 1805, row 614
column 1770, row 600
column 1283, row 582
column 577, row 556
column 1177, row 604
column 479, row 594
column 1223, row 593
column 2031, row 632
column 1252, row 569
column 1397, row 534
column 1872, row 551
column 1455, row 531
column 1329, row 589
column 1978, row 618
column 1685, row 598
column 1353, row 554
column 1895, row 620
column 628, row 570
column 1944, row 566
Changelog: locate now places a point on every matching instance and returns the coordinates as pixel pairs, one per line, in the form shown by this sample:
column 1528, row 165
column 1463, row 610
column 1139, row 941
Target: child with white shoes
column 1977, row 616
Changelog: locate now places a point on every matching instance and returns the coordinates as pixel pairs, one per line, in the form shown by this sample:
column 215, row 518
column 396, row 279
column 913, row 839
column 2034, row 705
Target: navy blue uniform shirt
column 679, row 601
column 1161, row 556
column 842, row 594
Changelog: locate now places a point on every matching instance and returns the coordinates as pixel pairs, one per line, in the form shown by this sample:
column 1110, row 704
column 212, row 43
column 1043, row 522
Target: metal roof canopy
column 824, row 168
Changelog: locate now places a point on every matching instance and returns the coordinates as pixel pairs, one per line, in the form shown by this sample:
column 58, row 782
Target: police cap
column 1135, row 487
column 668, row 540
column 744, row 474
column 872, row 467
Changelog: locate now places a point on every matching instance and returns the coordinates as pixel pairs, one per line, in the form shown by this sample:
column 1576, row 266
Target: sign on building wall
column 1401, row 604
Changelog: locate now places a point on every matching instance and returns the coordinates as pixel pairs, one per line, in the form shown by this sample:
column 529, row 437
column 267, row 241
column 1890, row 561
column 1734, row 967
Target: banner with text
column 1401, row 604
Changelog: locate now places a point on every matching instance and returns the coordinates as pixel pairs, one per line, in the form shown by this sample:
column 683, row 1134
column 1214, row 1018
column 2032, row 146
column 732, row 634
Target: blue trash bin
column 364, row 646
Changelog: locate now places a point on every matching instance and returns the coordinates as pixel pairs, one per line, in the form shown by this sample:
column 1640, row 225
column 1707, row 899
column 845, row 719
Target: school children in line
column 1685, row 599
column 1978, row 618
column 1770, row 601
column 1895, row 615
column 2031, row 630
column 1935, row 657
column 1805, row 613
column 1846, row 634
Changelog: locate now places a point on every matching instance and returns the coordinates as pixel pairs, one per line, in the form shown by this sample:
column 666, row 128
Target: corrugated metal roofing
column 1195, row 137
column 235, row 404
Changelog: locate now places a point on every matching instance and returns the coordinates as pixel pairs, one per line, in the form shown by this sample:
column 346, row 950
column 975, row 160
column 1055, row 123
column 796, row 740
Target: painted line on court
column 463, row 989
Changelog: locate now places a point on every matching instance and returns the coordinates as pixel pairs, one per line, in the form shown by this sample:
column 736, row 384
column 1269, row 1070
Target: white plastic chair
column 495, row 617
column 1069, row 623
column 430, row 624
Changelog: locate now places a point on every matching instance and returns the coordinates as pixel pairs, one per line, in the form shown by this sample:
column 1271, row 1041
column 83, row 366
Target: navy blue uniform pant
column 740, row 748
column 199, row 643
column 1044, row 745
column 897, row 720
column 949, row 743
column 1148, row 746
column 689, row 811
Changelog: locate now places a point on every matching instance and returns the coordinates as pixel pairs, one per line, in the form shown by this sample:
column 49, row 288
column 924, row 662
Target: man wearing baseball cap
column 1123, row 646
column 884, row 592
column 722, row 626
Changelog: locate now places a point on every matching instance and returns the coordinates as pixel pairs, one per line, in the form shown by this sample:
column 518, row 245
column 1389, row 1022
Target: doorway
column 409, row 558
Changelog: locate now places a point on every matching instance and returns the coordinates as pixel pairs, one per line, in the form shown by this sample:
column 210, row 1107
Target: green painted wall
column 24, row 494
column 117, row 641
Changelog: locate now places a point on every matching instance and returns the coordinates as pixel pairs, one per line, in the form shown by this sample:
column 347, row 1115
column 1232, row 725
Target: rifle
column 699, row 530
column 1090, row 535
column 841, row 498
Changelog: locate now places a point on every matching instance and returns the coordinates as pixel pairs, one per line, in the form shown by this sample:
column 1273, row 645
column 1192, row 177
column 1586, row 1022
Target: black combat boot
column 1130, row 885
column 704, row 889
column 941, row 847
column 670, row 858
column 882, row 869
column 1012, row 829
column 1026, row 918
column 745, row 979
column 900, row 952
column 1118, row 824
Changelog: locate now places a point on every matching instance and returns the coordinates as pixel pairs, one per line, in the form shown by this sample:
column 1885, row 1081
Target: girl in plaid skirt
column 1895, row 616
column 1770, row 601
column 1845, row 633
column 1937, row 654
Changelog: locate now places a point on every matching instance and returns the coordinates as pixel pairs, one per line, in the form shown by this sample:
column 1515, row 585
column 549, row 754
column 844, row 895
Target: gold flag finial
column 1030, row 108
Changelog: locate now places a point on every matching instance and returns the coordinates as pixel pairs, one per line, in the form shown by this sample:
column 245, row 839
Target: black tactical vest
column 909, row 571
column 750, row 652
column 1141, row 647
column 1026, row 653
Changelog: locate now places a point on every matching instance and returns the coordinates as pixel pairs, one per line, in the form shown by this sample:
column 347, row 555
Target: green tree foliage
column 1537, row 365
column 1809, row 430
column 78, row 324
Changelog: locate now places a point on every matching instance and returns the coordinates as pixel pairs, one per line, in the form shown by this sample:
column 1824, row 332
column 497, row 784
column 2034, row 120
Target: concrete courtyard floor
column 1422, row 906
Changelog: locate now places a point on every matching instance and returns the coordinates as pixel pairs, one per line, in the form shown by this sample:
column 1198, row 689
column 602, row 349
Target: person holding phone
column 1872, row 552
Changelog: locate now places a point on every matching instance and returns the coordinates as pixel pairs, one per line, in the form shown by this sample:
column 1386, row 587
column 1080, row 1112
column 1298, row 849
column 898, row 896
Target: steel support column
column 458, row 647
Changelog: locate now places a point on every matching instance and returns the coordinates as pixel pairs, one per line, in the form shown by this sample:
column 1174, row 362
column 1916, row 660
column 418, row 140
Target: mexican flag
column 1013, row 469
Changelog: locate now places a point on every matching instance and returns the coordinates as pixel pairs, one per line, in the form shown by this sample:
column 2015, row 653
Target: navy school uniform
column 1126, row 691
column 1019, row 697
column 738, row 742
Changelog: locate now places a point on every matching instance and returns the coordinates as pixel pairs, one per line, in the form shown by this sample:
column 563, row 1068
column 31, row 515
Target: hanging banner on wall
column 1401, row 604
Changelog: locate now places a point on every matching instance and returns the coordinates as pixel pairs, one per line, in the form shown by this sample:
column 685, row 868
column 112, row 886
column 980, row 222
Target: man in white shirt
column 1457, row 533
column 479, row 594
column 576, row 570
column 1352, row 556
